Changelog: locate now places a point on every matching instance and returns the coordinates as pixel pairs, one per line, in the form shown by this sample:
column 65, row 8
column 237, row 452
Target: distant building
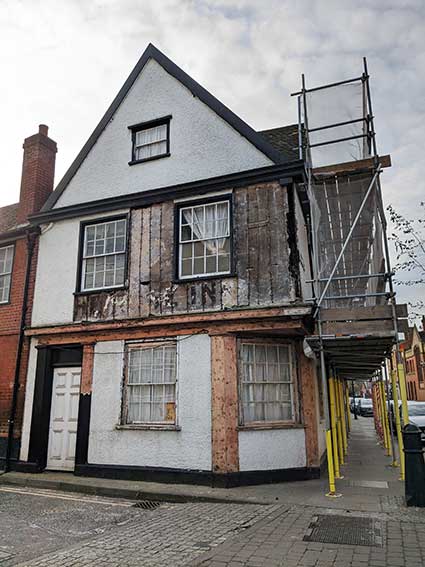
column 414, row 357
column 18, row 258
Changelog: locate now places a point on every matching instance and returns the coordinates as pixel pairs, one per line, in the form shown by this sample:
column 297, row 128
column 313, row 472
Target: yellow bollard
column 334, row 438
column 343, row 417
column 397, row 422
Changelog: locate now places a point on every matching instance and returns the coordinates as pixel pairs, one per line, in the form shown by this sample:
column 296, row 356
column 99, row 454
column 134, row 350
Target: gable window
column 104, row 255
column 204, row 240
column 6, row 262
column 151, row 140
column 266, row 383
column 150, row 386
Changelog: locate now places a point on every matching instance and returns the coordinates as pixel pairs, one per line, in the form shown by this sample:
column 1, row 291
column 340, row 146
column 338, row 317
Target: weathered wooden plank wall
column 261, row 253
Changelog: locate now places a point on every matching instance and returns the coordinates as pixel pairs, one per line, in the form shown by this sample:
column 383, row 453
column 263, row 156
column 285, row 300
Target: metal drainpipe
column 30, row 238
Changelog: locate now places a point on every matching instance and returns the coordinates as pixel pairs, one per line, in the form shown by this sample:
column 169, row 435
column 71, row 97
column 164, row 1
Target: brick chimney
column 38, row 172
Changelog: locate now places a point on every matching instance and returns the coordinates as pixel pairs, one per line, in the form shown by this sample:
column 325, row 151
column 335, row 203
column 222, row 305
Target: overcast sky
column 63, row 61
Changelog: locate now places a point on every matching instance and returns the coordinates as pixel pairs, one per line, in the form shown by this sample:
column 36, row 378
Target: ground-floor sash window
column 150, row 384
column 266, row 380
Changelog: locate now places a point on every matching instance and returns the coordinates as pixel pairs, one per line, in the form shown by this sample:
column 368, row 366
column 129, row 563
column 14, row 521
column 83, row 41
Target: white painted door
column 64, row 418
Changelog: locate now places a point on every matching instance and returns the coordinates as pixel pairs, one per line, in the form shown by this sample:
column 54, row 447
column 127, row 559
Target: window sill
column 102, row 290
column 270, row 425
column 149, row 427
column 205, row 278
column 136, row 161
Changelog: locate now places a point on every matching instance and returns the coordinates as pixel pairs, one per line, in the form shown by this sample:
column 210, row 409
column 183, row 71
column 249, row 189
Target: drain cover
column 147, row 504
column 346, row 530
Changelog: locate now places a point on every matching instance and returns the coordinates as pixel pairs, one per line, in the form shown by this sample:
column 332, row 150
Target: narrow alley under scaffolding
column 358, row 323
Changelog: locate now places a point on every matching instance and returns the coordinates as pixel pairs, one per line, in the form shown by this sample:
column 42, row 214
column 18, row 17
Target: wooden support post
column 309, row 408
column 87, row 369
column 224, row 391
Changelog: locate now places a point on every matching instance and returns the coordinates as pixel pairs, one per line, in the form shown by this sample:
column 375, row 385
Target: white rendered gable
column 202, row 144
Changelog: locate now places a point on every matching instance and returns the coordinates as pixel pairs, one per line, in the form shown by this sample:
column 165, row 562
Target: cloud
column 63, row 61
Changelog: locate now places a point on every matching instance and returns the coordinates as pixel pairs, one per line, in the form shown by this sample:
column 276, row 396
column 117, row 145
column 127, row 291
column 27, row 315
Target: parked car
column 365, row 407
column 417, row 416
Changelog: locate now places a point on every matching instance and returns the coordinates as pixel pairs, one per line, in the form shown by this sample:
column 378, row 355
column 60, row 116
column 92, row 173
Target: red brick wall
column 36, row 185
column 10, row 319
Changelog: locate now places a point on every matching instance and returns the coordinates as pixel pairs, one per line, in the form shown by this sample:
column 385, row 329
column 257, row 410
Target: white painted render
column 29, row 397
column 189, row 448
column 271, row 449
column 202, row 144
column 57, row 267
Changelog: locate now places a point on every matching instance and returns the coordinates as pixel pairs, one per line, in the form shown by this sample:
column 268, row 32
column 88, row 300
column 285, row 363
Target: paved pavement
column 299, row 527
column 44, row 528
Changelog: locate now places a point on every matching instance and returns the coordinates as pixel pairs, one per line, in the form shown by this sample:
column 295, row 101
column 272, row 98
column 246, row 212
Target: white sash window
column 204, row 240
column 151, row 384
column 104, row 254
column 266, row 383
column 151, row 140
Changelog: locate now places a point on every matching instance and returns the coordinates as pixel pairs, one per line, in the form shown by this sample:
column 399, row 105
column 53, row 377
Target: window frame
column 13, row 246
column 228, row 197
column 165, row 425
column 284, row 423
column 83, row 225
column 146, row 126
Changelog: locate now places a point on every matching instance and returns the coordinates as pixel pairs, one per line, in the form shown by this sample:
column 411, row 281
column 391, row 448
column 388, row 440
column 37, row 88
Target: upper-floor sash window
column 104, row 255
column 6, row 263
column 204, row 240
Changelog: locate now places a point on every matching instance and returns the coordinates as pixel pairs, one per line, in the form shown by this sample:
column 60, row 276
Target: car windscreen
column 366, row 402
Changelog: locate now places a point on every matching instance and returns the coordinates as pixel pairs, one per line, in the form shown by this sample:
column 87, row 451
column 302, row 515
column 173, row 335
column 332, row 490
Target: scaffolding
column 352, row 289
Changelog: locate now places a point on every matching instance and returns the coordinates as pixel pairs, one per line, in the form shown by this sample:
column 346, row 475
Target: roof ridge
column 151, row 52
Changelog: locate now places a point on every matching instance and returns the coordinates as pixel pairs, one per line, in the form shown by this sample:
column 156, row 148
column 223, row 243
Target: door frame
column 48, row 358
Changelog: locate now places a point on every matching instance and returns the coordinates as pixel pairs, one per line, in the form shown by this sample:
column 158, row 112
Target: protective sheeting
column 335, row 202
column 337, row 118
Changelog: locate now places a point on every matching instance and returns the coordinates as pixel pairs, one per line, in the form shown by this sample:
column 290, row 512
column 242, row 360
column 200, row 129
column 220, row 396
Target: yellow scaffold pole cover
column 397, row 422
column 343, row 417
column 332, row 488
column 403, row 392
column 338, row 423
column 347, row 401
column 381, row 414
column 385, row 417
column 334, row 439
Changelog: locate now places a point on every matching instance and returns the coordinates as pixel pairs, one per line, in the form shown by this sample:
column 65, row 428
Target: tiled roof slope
column 8, row 217
column 283, row 138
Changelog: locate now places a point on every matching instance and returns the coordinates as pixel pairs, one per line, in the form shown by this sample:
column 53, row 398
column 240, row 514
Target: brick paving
column 172, row 534
column 229, row 534
column 277, row 541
